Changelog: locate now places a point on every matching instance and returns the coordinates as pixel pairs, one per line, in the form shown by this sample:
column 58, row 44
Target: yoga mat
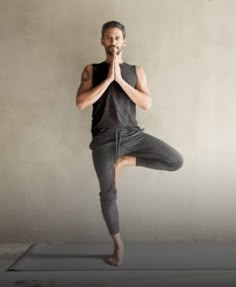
column 57, row 256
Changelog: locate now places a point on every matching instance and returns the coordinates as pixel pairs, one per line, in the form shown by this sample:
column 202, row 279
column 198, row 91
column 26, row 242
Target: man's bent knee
column 177, row 164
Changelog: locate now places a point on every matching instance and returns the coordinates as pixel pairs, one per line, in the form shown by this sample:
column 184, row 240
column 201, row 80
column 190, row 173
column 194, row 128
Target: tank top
column 114, row 109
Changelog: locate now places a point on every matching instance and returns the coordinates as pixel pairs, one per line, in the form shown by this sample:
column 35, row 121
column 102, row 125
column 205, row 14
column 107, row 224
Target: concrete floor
column 102, row 278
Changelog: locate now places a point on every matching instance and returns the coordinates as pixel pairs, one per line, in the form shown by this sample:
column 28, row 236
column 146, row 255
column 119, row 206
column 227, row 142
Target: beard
column 109, row 50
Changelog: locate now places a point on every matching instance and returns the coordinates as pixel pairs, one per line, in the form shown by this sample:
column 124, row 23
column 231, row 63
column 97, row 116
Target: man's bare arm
column 139, row 95
column 86, row 94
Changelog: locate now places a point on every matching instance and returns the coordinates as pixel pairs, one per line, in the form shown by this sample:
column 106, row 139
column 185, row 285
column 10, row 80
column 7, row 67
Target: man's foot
column 118, row 168
column 117, row 256
column 120, row 164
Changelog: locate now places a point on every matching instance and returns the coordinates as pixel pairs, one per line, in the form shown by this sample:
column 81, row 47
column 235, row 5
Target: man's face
column 113, row 39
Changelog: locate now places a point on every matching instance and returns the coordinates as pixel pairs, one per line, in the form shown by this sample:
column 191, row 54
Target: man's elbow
column 148, row 104
column 80, row 105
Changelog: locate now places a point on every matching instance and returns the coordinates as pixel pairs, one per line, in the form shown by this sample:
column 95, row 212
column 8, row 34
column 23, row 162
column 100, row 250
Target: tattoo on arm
column 84, row 77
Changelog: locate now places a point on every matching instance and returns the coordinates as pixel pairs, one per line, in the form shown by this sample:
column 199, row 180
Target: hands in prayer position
column 114, row 70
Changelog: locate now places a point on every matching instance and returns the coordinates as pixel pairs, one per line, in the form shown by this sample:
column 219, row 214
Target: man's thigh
column 150, row 147
column 103, row 160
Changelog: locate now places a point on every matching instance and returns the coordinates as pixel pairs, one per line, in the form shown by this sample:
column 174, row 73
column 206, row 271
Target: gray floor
column 116, row 276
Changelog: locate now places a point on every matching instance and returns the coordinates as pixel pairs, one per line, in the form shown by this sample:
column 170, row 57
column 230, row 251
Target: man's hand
column 118, row 76
column 111, row 72
column 114, row 72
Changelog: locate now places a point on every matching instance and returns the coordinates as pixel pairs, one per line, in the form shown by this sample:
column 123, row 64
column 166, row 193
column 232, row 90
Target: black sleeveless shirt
column 114, row 109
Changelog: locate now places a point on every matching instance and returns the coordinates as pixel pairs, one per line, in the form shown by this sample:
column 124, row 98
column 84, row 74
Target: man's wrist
column 109, row 81
column 120, row 81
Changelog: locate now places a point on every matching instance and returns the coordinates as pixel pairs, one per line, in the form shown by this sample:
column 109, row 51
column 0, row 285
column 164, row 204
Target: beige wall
column 48, row 186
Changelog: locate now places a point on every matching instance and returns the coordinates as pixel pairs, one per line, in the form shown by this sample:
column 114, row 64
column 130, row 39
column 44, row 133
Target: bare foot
column 117, row 256
column 118, row 168
column 121, row 162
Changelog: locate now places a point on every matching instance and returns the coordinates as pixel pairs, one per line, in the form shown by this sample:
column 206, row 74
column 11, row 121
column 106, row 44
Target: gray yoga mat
column 138, row 256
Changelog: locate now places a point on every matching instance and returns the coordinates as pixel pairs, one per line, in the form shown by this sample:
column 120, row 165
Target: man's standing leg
column 103, row 159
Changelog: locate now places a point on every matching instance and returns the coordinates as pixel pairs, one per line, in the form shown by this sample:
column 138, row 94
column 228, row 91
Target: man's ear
column 125, row 42
column 102, row 41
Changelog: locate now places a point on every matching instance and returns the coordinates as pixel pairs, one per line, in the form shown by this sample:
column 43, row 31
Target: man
column 114, row 88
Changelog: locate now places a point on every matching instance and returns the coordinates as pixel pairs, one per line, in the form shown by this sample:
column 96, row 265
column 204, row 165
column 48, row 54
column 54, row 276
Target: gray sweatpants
column 108, row 145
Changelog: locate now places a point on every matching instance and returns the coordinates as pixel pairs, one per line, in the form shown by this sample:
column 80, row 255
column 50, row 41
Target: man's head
column 113, row 37
column 114, row 24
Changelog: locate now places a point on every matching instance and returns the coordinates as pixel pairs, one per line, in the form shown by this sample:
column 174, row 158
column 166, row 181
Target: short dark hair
column 114, row 24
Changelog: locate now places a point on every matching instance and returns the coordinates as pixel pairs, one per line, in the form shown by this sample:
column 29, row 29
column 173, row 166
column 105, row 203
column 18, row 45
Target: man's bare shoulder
column 88, row 67
column 140, row 71
column 87, row 72
column 139, row 68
